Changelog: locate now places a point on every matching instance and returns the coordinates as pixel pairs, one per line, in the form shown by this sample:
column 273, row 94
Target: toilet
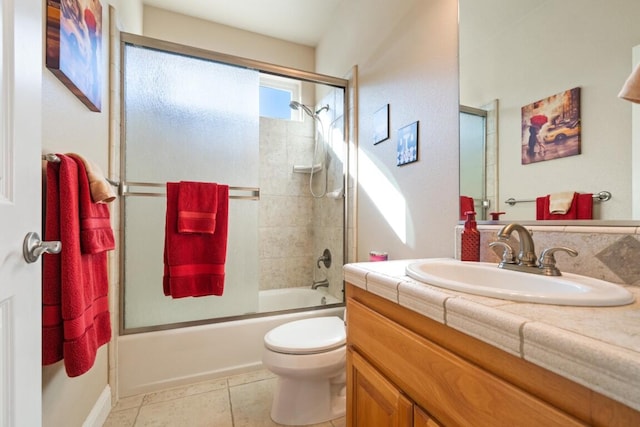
column 309, row 358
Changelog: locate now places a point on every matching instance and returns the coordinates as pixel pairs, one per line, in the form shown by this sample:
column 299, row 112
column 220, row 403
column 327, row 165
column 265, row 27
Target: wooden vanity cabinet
column 377, row 402
column 404, row 369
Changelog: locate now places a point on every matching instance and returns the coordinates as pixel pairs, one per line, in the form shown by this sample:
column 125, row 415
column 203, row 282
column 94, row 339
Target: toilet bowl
column 309, row 358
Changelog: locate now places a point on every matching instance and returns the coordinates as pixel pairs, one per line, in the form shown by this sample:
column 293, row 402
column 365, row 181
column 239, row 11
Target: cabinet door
column 372, row 401
column 422, row 419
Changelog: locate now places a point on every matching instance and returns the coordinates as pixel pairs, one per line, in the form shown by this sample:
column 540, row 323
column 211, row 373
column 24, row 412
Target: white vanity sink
column 487, row 279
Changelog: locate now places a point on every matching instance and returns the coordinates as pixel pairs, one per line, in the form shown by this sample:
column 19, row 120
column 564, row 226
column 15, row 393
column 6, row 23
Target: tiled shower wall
column 295, row 228
column 607, row 253
column 328, row 224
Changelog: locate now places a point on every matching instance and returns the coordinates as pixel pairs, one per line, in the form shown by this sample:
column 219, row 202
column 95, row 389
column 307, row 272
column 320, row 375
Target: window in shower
column 187, row 117
column 276, row 94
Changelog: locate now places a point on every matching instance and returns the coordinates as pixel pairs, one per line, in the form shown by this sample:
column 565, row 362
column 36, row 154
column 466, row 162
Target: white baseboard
column 100, row 411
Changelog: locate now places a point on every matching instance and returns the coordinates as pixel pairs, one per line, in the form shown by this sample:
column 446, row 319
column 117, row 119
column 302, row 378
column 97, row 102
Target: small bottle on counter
column 470, row 239
column 378, row 256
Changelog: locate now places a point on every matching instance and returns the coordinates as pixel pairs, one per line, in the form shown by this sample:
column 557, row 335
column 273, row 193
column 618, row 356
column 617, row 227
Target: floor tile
column 249, row 377
column 129, row 402
column 184, row 391
column 209, row 409
column 242, row 400
column 122, row 418
column 251, row 403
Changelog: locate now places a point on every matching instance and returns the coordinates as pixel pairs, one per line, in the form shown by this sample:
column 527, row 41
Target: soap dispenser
column 470, row 244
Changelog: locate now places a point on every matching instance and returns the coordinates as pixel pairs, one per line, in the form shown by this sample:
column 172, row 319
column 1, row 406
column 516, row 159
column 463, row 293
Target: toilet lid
column 307, row 336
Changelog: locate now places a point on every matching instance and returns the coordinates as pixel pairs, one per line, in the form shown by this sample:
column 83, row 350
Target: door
column 422, row 419
column 20, row 205
column 473, row 157
column 372, row 401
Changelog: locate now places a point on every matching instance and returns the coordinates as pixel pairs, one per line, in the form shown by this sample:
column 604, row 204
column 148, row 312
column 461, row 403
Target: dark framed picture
column 407, row 144
column 74, row 47
column 551, row 127
column 381, row 124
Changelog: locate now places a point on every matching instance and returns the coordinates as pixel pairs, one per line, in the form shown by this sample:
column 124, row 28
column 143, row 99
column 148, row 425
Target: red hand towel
column 96, row 234
column 79, row 279
column 101, row 189
column 542, row 206
column 466, row 204
column 581, row 208
column 197, row 206
column 194, row 263
column 584, row 206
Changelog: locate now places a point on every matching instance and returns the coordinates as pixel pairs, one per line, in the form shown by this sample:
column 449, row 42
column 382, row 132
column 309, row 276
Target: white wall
column 69, row 126
column 525, row 51
column 165, row 25
column 406, row 52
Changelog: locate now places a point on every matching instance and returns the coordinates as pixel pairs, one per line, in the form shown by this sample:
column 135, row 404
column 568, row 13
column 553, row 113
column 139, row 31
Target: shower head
column 295, row 105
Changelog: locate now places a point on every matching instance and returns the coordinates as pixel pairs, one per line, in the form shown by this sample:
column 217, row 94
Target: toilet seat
column 307, row 336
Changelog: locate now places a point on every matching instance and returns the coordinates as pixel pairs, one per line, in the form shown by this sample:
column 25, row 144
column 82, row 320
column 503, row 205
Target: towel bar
column 55, row 159
column 254, row 193
column 601, row 196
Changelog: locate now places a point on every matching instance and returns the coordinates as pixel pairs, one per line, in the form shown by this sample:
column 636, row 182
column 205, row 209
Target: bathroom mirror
column 515, row 53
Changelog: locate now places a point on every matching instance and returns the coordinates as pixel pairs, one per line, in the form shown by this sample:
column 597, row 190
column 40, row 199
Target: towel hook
column 33, row 247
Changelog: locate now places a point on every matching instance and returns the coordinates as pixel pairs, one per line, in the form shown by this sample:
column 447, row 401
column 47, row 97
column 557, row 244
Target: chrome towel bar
column 602, row 196
column 125, row 190
column 55, row 159
column 253, row 193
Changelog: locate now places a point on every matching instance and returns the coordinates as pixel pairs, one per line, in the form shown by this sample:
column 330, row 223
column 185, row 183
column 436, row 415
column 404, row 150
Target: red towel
column 194, row 263
column 197, row 206
column 75, row 313
column 96, row 234
column 581, row 208
column 584, row 206
column 466, row 204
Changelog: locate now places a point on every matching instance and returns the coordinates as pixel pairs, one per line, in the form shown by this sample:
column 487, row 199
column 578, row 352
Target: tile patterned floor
column 237, row 401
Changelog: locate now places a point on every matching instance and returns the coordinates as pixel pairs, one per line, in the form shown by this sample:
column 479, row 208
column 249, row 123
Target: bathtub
column 153, row 361
column 291, row 298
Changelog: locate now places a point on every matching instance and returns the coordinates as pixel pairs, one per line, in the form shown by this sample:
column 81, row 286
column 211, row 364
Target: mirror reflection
column 512, row 56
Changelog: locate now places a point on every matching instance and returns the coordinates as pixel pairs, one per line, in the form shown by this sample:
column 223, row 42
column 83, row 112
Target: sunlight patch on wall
column 387, row 199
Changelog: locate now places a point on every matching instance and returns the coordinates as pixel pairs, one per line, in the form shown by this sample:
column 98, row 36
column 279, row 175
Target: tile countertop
column 598, row 347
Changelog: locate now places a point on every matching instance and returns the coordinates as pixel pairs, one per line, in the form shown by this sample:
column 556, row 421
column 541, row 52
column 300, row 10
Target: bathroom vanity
column 423, row 356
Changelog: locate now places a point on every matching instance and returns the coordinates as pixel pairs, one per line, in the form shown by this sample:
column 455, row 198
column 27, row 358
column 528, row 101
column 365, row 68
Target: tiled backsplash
column 607, row 253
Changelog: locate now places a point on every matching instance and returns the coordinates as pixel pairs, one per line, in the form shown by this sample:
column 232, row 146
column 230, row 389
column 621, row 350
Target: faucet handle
column 507, row 252
column 548, row 260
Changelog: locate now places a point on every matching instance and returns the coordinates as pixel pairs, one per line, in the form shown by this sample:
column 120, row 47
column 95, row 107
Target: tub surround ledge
column 597, row 347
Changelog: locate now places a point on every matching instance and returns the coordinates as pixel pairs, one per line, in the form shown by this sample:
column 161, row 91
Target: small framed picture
column 381, row 124
column 408, row 144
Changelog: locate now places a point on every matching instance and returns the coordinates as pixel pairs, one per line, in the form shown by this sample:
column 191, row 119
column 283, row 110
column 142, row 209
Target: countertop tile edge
column 383, row 285
column 584, row 360
column 355, row 275
column 423, row 300
column 495, row 327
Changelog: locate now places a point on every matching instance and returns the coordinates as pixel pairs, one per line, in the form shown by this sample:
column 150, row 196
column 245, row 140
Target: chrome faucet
column 526, row 259
column 319, row 283
column 526, row 254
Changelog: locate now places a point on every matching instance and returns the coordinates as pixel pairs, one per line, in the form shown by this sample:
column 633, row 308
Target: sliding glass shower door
column 187, row 119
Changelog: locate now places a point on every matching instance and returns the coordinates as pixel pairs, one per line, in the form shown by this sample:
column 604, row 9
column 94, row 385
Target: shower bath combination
column 295, row 105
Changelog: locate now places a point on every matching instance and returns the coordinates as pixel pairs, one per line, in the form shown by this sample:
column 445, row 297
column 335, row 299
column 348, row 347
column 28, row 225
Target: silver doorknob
column 33, row 247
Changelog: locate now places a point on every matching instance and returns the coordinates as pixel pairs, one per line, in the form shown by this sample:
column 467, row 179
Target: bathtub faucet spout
column 319, row 283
